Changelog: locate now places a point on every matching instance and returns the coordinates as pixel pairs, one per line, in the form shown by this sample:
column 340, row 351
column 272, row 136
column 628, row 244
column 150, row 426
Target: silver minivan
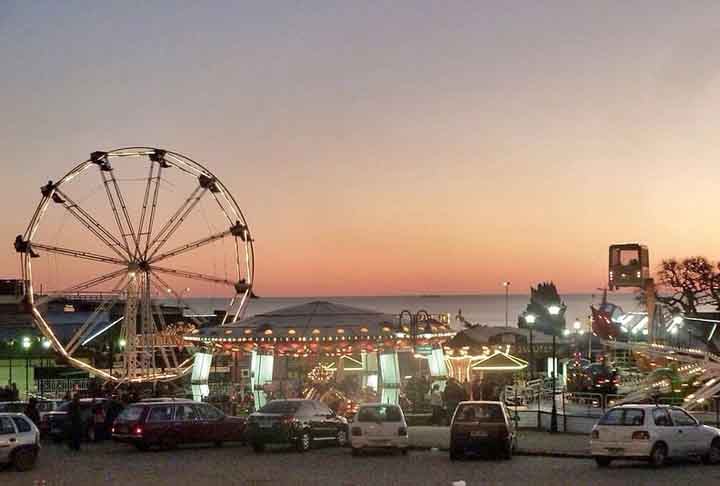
column 19, row 441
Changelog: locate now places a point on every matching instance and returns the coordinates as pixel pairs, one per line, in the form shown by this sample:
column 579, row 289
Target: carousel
column 329, row 349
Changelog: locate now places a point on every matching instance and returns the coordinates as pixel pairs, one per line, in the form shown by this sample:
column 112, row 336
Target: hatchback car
column 378, row 426
column 482, row 427
column 19, row 441
column 168, row 424
column 300, row 423
column 654, row 433
column 58, row 420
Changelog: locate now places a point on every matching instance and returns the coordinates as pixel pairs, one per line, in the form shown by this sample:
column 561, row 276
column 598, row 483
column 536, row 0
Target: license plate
column 265, row 426
column 478, row 433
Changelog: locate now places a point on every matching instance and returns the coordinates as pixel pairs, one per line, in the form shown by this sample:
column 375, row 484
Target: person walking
column 32, row 413
column 436, row 402
column 75, row 422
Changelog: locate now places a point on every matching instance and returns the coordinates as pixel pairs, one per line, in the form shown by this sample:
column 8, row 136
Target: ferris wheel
column 126, row 233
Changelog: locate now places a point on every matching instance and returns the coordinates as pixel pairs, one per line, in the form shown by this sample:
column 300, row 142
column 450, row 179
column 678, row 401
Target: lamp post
column 507, row 297
column 554, row 310
column 26, row 344
column 530, row 321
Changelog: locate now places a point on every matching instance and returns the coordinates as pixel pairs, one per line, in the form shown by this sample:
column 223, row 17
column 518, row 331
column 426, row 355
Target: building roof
column 483, row 335
column 335, row 324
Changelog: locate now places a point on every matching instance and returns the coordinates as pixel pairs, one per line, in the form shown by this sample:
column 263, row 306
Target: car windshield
column 380, row 413
column 131, row 414
column 480, row 412
column 624, row 416
column 280, row 406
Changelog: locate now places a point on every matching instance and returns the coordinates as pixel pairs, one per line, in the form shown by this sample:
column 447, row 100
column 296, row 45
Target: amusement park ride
column 694, row 368
column 144, row 251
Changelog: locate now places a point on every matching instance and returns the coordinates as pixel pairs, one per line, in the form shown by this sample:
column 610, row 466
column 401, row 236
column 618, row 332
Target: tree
column 688, row 284
column 541, row 298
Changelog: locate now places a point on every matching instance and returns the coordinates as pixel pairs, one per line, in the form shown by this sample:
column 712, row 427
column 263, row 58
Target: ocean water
column 481, row 309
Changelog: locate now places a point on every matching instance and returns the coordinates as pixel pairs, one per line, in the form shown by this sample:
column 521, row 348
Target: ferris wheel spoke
column 82, row 286
column 175, row 220
column 191, row 246
column 192, row 275
column 110, row 182
column 162, row 286
column 143, row 212
column 106, row 304
column 85, row 255
column 92, row 224
column 173, row 361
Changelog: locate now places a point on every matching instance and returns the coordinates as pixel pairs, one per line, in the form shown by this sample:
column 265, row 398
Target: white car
column 378, row 426
column 19, row 441
column 654, row 433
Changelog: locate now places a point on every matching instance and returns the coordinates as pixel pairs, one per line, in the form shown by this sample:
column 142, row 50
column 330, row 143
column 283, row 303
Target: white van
column 378, row 426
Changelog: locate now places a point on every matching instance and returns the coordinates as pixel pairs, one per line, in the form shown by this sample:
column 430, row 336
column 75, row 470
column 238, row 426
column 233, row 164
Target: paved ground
column 116, row 464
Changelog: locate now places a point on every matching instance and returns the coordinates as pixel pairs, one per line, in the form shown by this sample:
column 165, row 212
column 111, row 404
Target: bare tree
column 689, row 284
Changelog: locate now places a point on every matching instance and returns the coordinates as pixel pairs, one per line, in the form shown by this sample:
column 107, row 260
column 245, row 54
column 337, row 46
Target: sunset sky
column 389, row 147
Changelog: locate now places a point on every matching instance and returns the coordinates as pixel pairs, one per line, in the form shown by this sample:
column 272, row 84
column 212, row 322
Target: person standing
column 32, row 413
column 436, row 402
column 75, row 422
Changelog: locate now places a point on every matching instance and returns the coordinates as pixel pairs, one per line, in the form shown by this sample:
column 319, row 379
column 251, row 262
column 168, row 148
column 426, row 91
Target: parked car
column 379, row 426
column 58, row 420
column 482, row 427
column 19, row 441
column 44, row 407
column 654, row 433
column 300, row 423
column 169, row 423
column 12, row 407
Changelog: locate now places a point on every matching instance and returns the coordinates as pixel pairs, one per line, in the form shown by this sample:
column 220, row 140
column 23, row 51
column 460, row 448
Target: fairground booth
column 305, row 350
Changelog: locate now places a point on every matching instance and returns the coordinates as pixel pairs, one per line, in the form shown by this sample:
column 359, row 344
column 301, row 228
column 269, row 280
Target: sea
column 482, row 309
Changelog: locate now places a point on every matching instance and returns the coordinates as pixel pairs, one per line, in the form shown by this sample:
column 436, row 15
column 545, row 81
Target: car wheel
column 508, row 452
column 258, row 447
column 404, row 451
column 142, row 446
column 303, row 442
column 602, row 461
column 658, row 455
column 713, row 455
column 356, row 452
column 342, row 437
column 218, row 443
column 455, row 455
column 24, row 459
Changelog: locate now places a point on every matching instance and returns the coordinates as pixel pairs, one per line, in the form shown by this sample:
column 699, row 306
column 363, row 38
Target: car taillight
column 402, row 431
column 137, row 430
column 356, row 431
column 595, row 434
column 112, row 430
column 641, row 435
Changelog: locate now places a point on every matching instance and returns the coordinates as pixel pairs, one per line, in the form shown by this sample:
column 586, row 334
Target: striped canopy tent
column 320, row 327
column 500, row 361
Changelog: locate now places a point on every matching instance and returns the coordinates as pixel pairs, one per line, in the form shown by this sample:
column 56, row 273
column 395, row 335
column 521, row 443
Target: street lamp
column 26, row 344
column 554, row 311
column 122, row 343
column 530, row 321
column 419, row 316
column 507, row 296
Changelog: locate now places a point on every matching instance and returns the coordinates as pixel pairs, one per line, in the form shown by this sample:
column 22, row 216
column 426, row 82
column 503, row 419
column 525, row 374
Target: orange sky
column 391, row 150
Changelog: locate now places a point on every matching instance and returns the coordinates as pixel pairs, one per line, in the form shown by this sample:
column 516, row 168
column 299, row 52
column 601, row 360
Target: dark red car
column 167, row 424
